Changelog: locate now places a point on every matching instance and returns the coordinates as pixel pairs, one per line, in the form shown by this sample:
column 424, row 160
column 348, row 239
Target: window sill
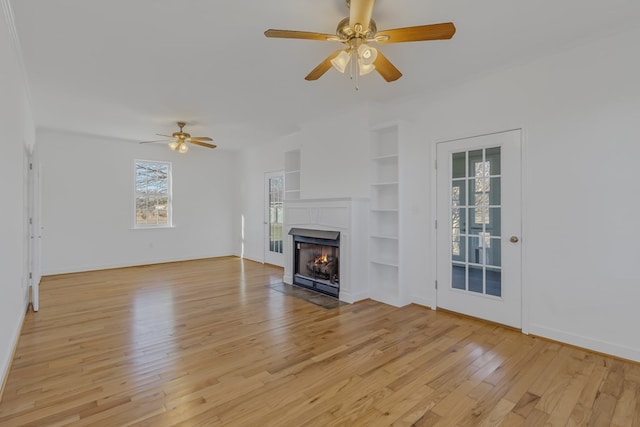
column 153, row 227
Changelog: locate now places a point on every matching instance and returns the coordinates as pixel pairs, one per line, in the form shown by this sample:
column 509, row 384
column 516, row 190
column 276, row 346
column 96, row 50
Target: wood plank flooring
column 207, row 342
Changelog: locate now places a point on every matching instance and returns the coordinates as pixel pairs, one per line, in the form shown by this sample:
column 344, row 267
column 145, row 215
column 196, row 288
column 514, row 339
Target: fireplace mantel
column 349, row 216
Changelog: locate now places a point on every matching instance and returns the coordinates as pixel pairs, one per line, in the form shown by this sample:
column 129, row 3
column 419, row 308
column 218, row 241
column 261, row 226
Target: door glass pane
column 458, row 276
column 276, row 212
column 458, row 221
column 458, row 193
column 475, row 164
column 459, row 248
column 494, row 253
column 493, row 157
column 476, row 244
column 494, row 191
column 475, row 279
column 458, row 165
column 494, row 223
column 494, row 282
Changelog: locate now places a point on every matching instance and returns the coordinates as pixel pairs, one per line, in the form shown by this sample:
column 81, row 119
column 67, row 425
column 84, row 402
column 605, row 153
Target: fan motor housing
column 345, row 32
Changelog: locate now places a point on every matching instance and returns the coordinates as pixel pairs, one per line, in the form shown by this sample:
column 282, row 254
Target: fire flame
column 322, row 259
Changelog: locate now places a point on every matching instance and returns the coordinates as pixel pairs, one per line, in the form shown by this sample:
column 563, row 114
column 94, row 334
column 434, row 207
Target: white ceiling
column 131, row 68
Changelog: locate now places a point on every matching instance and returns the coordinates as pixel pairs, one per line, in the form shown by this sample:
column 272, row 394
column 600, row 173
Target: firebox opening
column 317, row 261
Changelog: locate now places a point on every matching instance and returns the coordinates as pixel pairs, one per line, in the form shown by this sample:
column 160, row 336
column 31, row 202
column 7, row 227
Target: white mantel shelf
column 349, row 216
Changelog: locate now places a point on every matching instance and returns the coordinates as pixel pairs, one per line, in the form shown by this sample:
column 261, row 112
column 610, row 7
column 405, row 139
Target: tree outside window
column 152, row 194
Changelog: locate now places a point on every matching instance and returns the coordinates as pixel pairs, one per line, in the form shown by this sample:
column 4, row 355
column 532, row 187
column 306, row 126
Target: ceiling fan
column 357, row 32
column 178, row 140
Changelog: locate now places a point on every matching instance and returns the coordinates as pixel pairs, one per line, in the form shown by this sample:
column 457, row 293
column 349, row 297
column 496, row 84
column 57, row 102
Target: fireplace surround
column 348, row 218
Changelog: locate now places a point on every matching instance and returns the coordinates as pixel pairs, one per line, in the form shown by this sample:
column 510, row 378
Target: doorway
column 274, row 218
column 479, row 222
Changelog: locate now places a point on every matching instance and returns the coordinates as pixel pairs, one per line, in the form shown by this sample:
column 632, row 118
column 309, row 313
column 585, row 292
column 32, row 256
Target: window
column 152, row 194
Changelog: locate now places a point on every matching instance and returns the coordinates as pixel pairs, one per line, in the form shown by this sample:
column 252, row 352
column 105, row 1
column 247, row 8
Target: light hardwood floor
column 207, row 342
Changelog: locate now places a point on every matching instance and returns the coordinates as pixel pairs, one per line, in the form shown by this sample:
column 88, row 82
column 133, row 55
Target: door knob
column 514, row 239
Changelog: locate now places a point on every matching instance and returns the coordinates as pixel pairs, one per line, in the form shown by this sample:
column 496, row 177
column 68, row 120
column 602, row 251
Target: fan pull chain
column 354, row 70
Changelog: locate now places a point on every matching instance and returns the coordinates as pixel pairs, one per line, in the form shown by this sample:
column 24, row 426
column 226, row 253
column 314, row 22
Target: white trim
column 524, row 295
column 425, row 302
column 6, row 364
column 434, row 217
column 151, row 261
column 586, row 342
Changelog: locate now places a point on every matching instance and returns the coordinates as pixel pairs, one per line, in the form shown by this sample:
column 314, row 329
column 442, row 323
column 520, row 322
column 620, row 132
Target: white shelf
column 292, row 175
column 388, row 263
column 385, row 183
column 379, row 236
column 384, row 241
column 385, row 157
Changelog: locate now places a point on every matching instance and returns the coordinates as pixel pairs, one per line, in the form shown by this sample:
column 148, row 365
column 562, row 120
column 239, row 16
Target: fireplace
column 316, row 260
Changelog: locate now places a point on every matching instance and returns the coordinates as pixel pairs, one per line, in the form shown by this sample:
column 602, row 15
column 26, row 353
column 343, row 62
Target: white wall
column 335, row 156
column 579, row 112
column 88, row 200
column 15, row 134
column 252, row 166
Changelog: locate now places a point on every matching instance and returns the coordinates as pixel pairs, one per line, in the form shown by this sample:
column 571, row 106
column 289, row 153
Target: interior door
column 274, row 218
column 479, row 222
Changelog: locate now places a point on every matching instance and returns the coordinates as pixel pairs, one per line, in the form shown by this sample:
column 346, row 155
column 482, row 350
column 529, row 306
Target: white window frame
column 169, row 223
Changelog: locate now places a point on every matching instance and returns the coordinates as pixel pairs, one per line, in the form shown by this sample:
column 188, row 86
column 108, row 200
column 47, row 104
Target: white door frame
column 34, row 246
column 523, row 312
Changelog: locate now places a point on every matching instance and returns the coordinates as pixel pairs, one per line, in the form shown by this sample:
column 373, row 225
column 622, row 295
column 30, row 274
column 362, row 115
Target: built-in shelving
column 384, row 215
column 292, row 175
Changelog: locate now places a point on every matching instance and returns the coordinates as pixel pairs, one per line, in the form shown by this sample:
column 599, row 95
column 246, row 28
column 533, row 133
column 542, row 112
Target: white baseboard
column 351, row 298
column 261, row 261
column 425, row 302
column 600, row 346
column 6, row 364
column 108, row 266
column 387, row 298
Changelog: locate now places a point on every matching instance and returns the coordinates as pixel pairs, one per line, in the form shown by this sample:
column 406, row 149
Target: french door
column 274, row 218
column 478, row 227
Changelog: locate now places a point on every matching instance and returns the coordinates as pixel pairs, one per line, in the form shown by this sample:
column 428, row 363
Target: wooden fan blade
column 201, row 138
column 289, row 34
column 323, row 67
column 442, row 31
column 360, row 13
column 155, row 140
column 203, row 144
column 387, row 70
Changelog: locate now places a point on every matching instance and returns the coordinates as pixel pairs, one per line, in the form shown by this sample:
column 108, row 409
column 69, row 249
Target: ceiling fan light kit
column 178, row 141
column 357, row 37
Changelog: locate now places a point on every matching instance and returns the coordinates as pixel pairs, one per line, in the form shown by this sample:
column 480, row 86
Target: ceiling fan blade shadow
column 360, row 12
column 305, row 35
column 203, row 144
column 387, row 70
column 443, row 31
column 323, row 67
